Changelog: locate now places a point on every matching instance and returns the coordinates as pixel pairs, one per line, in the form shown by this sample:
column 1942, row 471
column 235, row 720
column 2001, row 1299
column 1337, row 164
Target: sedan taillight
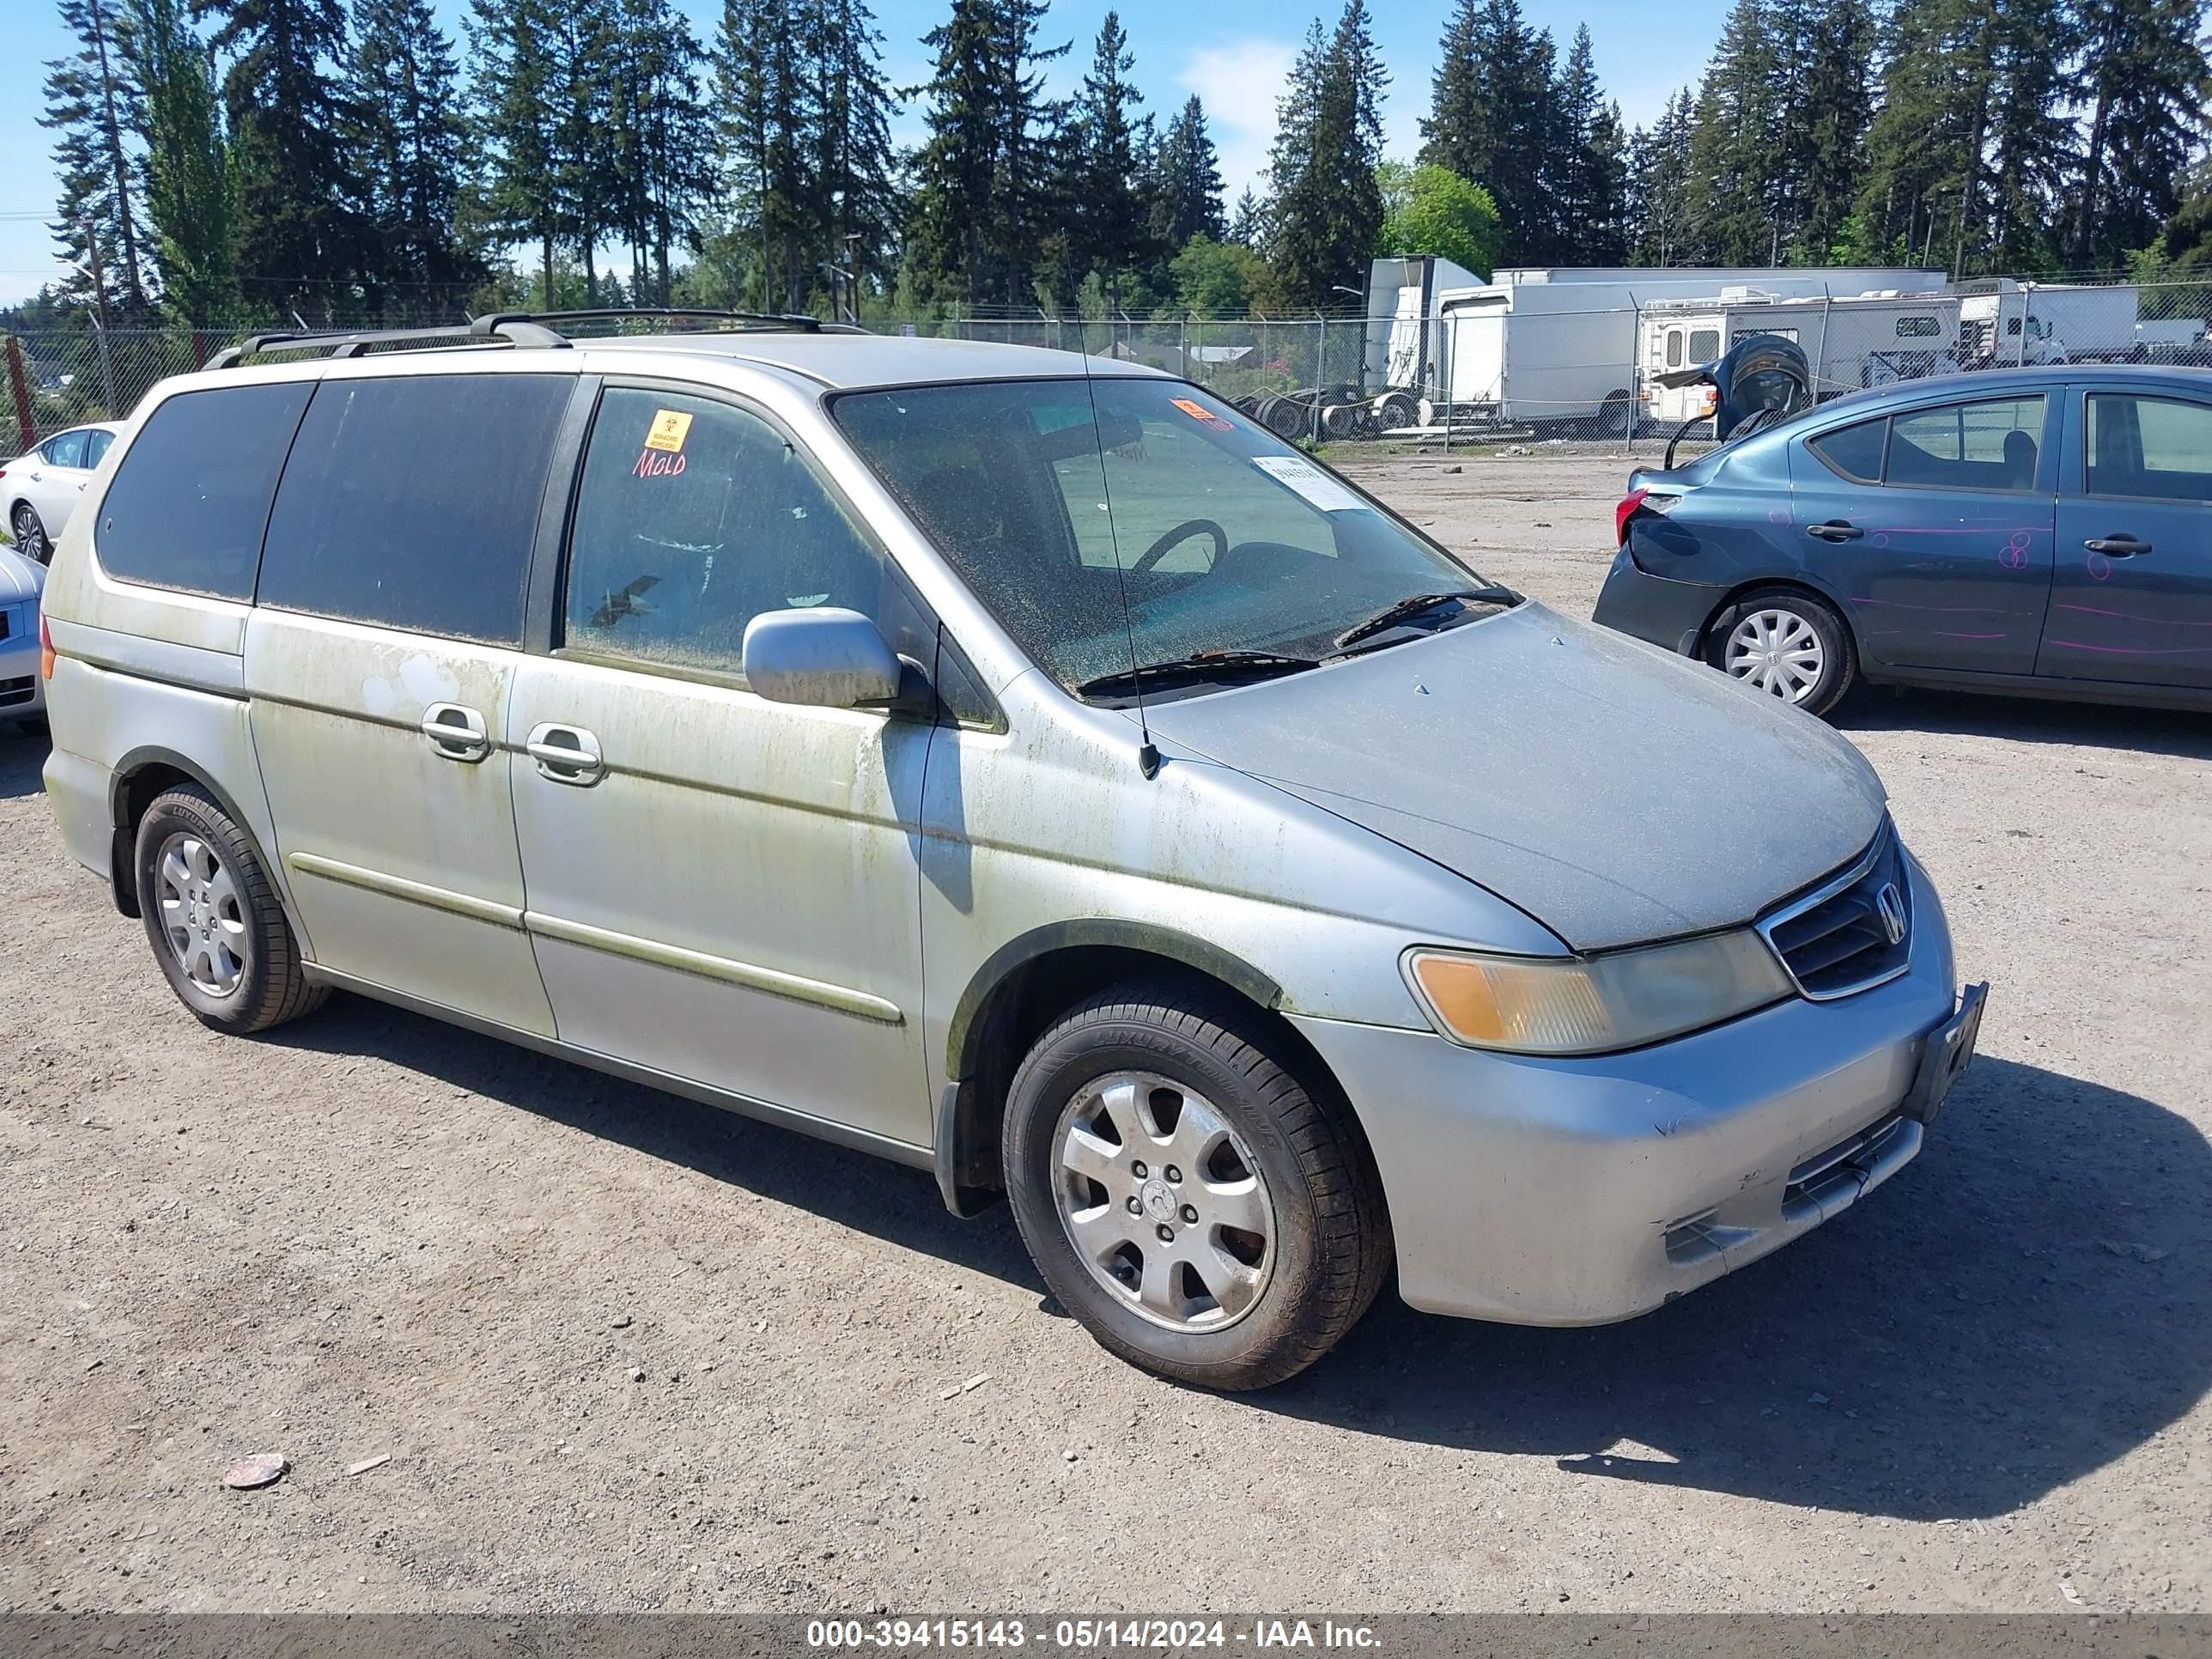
column 1625, row 512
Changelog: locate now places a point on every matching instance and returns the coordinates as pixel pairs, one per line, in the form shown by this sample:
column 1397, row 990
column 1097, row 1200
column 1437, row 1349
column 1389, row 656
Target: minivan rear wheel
column 211, row 915
column 1185, row 1195
column 1788, row 644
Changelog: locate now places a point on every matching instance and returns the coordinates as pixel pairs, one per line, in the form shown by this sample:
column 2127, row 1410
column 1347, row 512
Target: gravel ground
column 622, row 1351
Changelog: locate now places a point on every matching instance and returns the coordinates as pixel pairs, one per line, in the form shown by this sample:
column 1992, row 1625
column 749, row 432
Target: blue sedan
column 2045, row 530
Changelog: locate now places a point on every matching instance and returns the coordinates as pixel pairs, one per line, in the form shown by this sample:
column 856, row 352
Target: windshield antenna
column 1148, row 755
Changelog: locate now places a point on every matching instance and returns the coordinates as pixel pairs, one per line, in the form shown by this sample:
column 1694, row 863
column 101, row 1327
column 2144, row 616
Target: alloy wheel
column 1777, row 651
column 30, row 535
column 1164, row 1202
column 203, row 915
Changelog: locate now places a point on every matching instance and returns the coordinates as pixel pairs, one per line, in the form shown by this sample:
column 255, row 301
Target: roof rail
column 353, row 343
column 770, row 319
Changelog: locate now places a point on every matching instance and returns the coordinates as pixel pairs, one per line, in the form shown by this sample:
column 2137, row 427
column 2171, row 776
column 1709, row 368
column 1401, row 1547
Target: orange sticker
column 668, row 431
column 1196, row 411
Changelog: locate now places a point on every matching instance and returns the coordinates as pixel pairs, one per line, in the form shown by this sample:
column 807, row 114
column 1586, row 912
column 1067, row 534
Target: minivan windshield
column 1237, row 556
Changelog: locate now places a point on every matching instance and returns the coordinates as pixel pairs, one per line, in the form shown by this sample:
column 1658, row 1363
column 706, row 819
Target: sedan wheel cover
column 1164, row 1202
column 1777, row 651
column 202, row 915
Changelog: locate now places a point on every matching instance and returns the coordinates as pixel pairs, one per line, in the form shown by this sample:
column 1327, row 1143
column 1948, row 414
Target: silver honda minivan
column 1020, row 766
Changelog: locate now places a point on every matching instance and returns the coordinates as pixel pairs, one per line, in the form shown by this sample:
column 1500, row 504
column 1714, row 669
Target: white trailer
column 1849, row 342
column 2006, row 322
column 1538, row 346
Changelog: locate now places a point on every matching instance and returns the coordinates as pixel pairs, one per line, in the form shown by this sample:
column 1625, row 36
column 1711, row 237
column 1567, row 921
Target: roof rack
column 353, row 343
column 765, row 319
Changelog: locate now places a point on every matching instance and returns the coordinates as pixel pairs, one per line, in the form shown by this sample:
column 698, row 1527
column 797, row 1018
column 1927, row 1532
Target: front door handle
column 456, row 731
column 2116, row 547
column 1836, row 529
column 566, row 754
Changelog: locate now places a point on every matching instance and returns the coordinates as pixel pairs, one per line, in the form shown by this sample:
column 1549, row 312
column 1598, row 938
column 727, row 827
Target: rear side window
column 1853, row 451
column 187, row 505
column 1977, row 446
column 412, row 502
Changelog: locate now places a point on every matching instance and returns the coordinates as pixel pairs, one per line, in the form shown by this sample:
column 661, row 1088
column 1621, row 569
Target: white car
column 41, row 485
column 22, row 693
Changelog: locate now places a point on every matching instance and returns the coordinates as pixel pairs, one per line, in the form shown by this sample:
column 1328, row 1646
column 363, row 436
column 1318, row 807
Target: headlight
column 1594, row 1005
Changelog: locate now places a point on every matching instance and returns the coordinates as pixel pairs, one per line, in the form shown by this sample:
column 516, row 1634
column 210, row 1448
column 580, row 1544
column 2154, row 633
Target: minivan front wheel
column 212, row 917
column 1787, row 644
column 1184, row 1195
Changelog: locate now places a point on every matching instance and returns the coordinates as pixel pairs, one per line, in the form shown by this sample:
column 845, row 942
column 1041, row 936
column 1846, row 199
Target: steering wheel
column 1183, row 531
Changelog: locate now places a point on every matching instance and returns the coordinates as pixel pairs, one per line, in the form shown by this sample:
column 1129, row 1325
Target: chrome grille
column 1852, row 932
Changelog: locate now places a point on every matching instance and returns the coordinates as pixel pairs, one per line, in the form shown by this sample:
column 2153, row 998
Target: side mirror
column 823, row 656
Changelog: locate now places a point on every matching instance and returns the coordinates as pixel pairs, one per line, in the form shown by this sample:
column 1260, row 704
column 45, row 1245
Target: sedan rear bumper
column 1578, row 1192
column 1668, row 614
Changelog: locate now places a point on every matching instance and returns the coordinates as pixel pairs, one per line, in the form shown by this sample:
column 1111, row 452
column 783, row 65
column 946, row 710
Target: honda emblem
column 1890, row 903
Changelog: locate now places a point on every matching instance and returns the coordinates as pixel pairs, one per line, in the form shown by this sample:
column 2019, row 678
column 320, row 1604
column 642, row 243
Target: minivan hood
column 1614, row 792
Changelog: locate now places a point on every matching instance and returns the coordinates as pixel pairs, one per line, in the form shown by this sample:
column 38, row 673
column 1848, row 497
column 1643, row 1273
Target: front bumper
column 1668, row 614
column 21, row 691
column 1578, row 1192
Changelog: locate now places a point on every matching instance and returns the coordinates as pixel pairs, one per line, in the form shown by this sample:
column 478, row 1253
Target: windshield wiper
column 1199, row 665
column 1412, row 607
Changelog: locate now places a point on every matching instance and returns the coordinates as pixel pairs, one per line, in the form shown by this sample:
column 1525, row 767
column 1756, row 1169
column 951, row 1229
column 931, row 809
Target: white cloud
column 1240, row 81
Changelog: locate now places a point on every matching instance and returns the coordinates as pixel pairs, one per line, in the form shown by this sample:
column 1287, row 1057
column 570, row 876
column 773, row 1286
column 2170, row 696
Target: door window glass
column 65, row 449
column 411, row 502
column 2156, row 447
column 694, row 518
column 95, row 445
column 1674, row 347
column 1991, row 445
column 1853, row 451
column 1704, row 344
column 188, row 501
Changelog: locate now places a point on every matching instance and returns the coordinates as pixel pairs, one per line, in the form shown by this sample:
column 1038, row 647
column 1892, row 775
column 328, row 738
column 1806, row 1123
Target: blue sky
column 1233, row 53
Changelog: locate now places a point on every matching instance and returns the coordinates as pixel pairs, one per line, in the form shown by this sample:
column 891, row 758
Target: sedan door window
column 2160, row 449
column 95, row 445
column 1990, row 445
column 65, row 449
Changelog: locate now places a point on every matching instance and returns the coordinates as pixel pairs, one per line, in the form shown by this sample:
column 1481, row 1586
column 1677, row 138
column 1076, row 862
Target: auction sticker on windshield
column 1310, row 483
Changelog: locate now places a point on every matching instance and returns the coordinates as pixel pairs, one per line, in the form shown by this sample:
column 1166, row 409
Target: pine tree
column 2030, row 134
column 855, row 164
column 767, row 95
column 300, row 239
column 1101, row 203
column 1603, row 238
column 1247, row 223
column 586, row 39
column 93, row 100
column 1826, row 128
column 658, row 123
column 516, row 128
column 405, row 136
column 1923, row 146
column 1739, row 180
column 1327, row 207
column 982, row 197
column 192, row 189
column 1570, row 164
column 1659, row 185
column 1186, row 171
column 1491, row 120
column 2145, row 84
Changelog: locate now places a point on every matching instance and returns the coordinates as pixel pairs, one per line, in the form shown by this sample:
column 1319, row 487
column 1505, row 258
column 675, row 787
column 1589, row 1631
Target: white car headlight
column 1594, row 1005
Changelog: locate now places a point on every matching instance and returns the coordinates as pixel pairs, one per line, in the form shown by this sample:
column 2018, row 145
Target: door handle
column 566, row 754
column 1836, row 529
column 2116, row 547
column 456, row 731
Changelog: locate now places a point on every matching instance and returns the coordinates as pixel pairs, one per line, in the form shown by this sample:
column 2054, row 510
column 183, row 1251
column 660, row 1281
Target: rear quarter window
column 189, row 500
column 1854, row 451
column 412, row 502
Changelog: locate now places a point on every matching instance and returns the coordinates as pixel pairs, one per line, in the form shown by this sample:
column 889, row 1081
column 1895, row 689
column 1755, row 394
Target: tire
column 30, row 534
column 1788, row 617
column 1288, row 419
column 1396, row 408
column 1258, row 1305
column 213, row 920
column 1616, row 417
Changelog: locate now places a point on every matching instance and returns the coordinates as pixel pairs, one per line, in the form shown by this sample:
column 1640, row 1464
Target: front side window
column 188, row 501
column 1102, row 518
column 2160, row 447
column 95, row 445
column 411, row 502
column 65, row 449
column 694, row 518
column 1990, row 445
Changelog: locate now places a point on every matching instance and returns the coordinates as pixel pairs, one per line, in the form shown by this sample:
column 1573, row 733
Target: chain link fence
column 1489, row 369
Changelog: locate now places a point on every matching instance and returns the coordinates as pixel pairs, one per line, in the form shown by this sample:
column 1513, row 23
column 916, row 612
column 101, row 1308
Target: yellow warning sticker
column 669, row 429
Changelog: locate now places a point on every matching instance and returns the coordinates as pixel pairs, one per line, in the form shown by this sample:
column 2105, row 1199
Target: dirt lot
column 371, row 1235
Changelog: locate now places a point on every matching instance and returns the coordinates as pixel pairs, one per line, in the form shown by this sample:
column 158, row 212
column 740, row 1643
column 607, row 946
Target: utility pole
column 100, row 315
